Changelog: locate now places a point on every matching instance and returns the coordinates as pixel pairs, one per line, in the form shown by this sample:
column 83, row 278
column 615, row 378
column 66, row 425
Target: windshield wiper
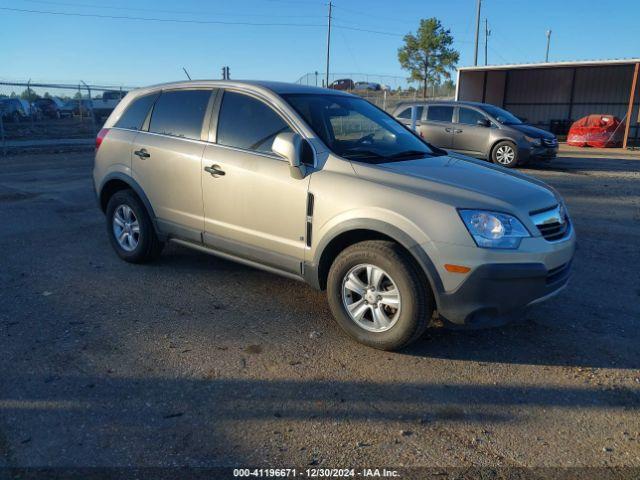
column 409, row 154
column 351, row 153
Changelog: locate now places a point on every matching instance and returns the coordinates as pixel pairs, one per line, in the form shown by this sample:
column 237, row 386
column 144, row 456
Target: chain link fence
column 384, row 91
column 34, row 113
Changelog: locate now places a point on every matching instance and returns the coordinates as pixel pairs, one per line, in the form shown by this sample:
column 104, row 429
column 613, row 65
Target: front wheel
column 505, row 154
column 378, row 295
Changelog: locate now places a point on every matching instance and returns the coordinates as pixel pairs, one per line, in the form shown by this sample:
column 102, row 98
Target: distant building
column 552, row 95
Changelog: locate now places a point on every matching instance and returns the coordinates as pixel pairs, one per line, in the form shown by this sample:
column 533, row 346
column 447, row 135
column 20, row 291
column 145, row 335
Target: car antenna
column 186, row 73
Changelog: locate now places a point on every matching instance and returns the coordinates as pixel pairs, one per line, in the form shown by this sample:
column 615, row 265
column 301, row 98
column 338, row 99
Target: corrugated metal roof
column 578, row 63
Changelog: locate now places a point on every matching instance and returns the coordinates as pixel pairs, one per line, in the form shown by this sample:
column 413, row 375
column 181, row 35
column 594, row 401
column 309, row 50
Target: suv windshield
column 353, row 128
column 502, row 116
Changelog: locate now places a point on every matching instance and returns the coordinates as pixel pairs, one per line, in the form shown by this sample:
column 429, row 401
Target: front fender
column 401, row 230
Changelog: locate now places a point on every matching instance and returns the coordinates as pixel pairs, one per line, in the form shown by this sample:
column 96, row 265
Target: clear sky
column 67, row 48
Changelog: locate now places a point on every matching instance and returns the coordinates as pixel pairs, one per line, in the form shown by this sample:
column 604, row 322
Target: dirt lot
column 195, row 361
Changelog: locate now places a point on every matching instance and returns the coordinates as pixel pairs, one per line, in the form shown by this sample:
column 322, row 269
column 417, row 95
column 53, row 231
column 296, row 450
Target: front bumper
column 538, row 153
column 498, row 293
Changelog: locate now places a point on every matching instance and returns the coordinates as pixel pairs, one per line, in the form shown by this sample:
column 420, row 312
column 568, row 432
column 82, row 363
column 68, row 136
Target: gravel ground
column 196, row 361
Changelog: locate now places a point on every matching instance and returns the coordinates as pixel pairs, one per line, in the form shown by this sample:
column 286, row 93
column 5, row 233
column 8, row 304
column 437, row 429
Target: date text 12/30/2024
column 315, row 473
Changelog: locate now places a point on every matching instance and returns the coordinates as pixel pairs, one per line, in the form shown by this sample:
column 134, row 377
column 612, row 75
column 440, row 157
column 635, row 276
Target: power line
column 156, row 10
column 155, row 19
column 194, row 21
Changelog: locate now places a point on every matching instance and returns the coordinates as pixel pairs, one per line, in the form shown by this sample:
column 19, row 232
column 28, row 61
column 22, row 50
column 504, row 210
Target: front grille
column 554, row 231
column 552, row 223
column 550, row 142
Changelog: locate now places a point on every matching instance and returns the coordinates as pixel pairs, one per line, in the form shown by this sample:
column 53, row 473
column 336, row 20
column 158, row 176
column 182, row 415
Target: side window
column 135, row 114
column 247, row 123
column 406, row 113
column 436, row 113
column 180, row 113
column 468, row 116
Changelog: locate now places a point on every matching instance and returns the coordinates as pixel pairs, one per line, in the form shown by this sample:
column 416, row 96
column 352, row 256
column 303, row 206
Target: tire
column 139, row 242
column 407, row 322
column 505, row 153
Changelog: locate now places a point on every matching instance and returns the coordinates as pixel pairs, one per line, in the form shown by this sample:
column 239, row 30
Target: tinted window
column 133, row 117
column 439, row 114
column 469, row 116
column 247, row 123
column 180, row 113
column 406, row 113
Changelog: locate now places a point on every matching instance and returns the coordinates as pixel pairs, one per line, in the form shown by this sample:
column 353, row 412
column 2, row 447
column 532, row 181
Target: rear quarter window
column 135, row 114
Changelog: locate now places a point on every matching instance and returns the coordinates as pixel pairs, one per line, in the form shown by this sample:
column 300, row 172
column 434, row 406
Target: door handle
column 214, row 170
column 142, row 153
column 448, row 130
column 457, row 131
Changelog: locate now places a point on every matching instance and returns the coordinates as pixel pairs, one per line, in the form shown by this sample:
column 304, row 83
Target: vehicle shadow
column 543, row 337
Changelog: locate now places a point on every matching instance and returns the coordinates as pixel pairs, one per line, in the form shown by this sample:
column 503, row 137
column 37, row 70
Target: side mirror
column 291, row 147
column 483, row 122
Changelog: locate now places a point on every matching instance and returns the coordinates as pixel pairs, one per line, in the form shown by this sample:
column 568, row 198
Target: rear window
column 437, row 113
column 135, row 114
column 180, row 113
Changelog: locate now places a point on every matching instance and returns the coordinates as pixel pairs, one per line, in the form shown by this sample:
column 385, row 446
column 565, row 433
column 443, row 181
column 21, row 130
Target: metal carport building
column 552, row 95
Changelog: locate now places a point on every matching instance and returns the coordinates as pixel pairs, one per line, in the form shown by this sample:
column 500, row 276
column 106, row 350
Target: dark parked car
column 343, row 84
column 76, row 107
column 14, row 109
column 480, row 130
column 49, row 107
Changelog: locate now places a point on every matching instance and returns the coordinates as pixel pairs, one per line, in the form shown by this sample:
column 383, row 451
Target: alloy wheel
column 505, row 154
column 126, row 227
column 371, row 298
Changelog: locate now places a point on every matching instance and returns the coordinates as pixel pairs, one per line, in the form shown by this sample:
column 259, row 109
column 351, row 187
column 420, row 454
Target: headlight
column 536, row 142
column 493, row 229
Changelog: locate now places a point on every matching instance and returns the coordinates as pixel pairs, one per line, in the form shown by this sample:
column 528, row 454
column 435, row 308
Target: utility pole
column 546, row 57
column 487, row 32
column 328, row 43
column 475, row 51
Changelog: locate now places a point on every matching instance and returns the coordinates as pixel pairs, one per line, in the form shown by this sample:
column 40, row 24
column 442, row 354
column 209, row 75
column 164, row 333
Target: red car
column 343, row 84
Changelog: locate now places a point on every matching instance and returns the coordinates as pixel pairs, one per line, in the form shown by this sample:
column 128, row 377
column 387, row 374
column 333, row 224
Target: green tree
column 428, row 55
column 29, row 95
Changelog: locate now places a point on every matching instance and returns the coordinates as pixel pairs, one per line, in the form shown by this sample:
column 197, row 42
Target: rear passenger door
column 166, row 160
column 437, row 127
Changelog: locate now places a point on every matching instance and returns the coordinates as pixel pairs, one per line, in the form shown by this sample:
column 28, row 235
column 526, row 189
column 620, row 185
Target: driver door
column 253, row 208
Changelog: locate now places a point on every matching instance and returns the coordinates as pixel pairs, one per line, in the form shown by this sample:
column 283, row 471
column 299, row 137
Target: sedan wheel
column 505, row 154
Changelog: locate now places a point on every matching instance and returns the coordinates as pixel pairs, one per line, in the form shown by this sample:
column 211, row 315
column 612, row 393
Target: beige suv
column 323, row 187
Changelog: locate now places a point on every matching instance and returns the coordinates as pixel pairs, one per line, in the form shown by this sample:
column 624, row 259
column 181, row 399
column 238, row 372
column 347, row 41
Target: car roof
column 279, row 88
column 443, row 102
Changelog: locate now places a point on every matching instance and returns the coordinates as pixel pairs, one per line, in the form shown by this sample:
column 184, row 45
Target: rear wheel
column 130, row 229
column 505, row 154
column 378, row 295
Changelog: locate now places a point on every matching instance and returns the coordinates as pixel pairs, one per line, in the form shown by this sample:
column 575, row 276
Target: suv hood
column 465, row 182
column 532, row 131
